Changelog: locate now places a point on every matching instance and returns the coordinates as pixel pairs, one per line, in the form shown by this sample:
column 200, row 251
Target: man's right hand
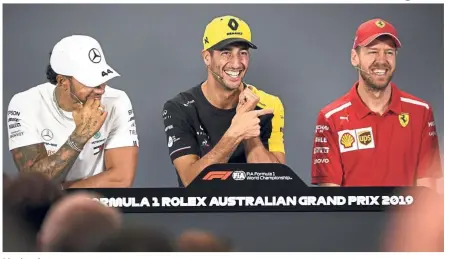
column 88, row 119
column 246, row 125
column 248, row 100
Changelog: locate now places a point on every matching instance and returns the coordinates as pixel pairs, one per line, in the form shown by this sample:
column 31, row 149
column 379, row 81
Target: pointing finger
column 264, row 112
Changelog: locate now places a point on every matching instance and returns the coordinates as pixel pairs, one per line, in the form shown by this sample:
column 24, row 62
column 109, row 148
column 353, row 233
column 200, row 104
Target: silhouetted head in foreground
column 201, row 241
column 77, row 224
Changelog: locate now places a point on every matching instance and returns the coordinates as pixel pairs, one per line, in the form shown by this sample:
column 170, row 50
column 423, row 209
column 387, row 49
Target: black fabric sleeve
column 265, row 129
column 180, row 136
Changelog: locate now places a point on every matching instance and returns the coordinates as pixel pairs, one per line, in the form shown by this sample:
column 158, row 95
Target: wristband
column 73, row 145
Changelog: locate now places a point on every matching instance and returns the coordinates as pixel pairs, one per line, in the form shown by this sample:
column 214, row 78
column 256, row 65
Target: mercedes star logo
column 94, row 55
column 47, row 135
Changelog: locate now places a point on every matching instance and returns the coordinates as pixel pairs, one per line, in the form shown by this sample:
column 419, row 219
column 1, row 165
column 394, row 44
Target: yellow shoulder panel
column 276, row 140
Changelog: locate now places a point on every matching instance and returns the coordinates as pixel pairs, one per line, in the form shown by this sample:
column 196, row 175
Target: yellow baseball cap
column 225, row 30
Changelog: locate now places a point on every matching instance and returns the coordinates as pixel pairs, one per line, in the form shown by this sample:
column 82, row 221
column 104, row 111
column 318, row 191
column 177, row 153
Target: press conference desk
column 268, row 231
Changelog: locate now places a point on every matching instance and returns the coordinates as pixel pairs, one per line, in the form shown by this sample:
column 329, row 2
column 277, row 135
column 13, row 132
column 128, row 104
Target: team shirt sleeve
column 429, row 163
column 326, row 161
column 276, row 138
column 180, row 136
column 21, row 126
column 124, row 130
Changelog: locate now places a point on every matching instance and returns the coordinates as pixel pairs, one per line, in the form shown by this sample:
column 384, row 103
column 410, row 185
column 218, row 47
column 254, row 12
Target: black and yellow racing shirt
column 195, row 126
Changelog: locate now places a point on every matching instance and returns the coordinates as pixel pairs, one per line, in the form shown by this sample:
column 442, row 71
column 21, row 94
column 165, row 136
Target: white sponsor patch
column 365, row 138
column 321, row 161
column 172, row 140
column 321, row 140
column 238, row 175
column 350, row 140
column 321, row 128
column 347, row 140
column 321, row 150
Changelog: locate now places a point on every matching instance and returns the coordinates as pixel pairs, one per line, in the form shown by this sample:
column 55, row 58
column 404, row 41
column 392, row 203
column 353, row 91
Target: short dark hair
column 31, row 196
column 244, row 45
column 51, row 74
column 20, row 236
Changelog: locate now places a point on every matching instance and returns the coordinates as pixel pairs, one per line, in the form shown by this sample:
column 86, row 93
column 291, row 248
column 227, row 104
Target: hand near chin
column 248, row 100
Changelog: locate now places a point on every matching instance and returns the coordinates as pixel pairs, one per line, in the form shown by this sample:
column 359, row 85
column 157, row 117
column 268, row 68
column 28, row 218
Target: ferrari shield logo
column 404, row 118
column 380, row 23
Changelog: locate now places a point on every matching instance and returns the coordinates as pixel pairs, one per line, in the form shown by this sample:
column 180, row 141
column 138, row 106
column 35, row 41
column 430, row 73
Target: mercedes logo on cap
column 47, row 135
column 94, row 55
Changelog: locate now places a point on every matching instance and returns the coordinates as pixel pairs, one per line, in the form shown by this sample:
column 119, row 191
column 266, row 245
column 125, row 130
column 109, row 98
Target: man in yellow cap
column 223, row 119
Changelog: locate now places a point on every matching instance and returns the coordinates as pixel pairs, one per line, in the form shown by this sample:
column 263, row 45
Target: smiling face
column 229, row 63
column 379, row 59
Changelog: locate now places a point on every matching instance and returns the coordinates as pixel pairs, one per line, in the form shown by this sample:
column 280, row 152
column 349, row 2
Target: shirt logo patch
column 47, row 134
column 347, row 140
column 365, row 138
column 404, row 118
column 350, row 140
column 98, row 149
column 344, row 117
column 97, row 135
column 204, row 143
column 172, row 140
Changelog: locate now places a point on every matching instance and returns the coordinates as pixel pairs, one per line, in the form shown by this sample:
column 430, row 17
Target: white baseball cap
column 81, row 56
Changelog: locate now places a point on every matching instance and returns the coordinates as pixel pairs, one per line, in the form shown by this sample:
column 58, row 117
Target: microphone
column 360, row 69
column 219, row 78
column 70, row 91
column 215, row 74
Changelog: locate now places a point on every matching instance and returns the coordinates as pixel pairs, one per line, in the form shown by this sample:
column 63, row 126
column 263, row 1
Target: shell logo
column 347, row 140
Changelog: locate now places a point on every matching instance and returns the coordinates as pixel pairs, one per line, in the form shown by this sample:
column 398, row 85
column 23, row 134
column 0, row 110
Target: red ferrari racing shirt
column 356, row 147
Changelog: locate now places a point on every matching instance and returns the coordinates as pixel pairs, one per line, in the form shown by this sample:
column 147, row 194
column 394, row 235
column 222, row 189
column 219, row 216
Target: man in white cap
column 75, row 129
